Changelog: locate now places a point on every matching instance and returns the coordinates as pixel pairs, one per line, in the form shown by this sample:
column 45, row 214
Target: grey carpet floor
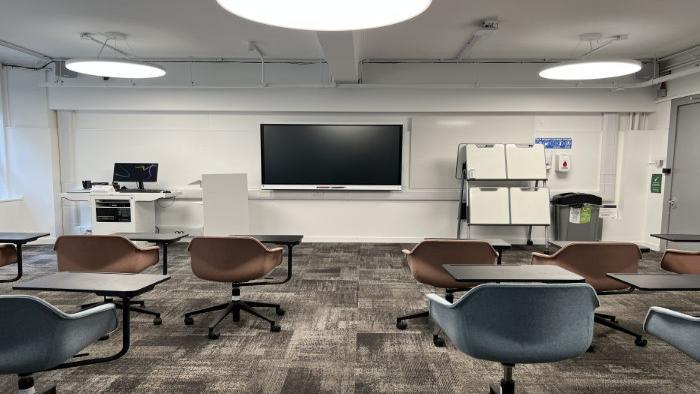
column 339, row 336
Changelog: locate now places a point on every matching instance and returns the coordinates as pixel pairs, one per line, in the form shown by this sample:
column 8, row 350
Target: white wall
column 187, row 144
column 190, row 131
column 32, row 156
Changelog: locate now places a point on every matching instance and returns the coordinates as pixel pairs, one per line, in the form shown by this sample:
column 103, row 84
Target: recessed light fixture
column 115, row 68
column 326, row 15
column 580, row 70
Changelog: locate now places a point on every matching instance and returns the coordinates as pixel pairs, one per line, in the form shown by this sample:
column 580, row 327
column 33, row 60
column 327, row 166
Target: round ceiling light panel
column 581, row 70
column 115, row 68
column 326, row 15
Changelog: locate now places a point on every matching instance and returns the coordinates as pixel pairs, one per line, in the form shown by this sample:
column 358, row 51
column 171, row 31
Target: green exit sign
column 656, row 180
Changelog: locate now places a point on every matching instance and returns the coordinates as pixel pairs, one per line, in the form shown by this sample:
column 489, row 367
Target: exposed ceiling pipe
column 26, row 51
column 666, row 78
column 253, row 46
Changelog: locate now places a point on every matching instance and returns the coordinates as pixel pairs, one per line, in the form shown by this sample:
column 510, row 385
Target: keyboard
column 140, row 191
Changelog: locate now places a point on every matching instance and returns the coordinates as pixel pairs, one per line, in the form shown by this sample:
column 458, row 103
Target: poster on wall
column 555, row 143
column 656, row 180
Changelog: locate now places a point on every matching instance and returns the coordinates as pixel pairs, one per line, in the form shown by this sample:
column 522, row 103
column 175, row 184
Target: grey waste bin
column 575, row 217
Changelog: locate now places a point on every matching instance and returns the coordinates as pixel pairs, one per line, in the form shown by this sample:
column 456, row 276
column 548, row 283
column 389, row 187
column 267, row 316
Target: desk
column 678, row 237
column 116, row 212
column 290, row 241
column 659, row 282
column 124, row 286
column 561, row 244
column 496, row 243
column 19, row 239
column 160, row 239
column 511, row 273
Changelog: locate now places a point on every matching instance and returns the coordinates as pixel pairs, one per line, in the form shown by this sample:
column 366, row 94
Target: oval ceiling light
column 326, row 15
column 115, row 68
column 580, row 70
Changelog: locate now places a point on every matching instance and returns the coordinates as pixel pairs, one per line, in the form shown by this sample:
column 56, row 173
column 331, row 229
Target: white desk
column 115, row 212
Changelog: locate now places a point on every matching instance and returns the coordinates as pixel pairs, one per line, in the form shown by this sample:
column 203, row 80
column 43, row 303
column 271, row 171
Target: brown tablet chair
column 425, row 262
column 593, row 260
column 106, row 253
column 681, row 261
column 240, row 261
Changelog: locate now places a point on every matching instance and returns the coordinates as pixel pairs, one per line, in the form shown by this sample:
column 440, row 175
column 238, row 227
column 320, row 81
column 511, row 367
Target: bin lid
column 576, row 199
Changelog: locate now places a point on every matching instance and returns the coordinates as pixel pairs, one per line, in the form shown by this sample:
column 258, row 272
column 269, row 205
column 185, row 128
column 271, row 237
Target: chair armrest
column 89, row 312
column 147, row 248
column 434, row 299
column 666, row 314
column 274, row 250
column 541, row 258
column 407, row 252
column 678, row 251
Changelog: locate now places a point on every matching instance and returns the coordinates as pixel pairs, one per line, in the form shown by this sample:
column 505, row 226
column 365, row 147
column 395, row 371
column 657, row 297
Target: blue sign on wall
column 555, row 143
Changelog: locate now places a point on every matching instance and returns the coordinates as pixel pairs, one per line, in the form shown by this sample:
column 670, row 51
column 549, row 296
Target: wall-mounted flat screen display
column 331, row 157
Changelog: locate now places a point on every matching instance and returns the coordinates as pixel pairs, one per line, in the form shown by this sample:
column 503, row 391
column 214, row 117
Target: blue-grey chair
column 35, row 336
column 680, row 330
column 516, row 323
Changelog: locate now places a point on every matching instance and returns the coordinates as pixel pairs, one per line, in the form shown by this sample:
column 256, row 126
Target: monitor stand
column 140, row 186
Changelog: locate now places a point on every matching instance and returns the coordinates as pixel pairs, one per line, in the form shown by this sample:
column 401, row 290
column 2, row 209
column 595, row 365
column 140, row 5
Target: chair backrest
column 35, row 335
column 515, row 323
column 427, row 258
column 94, row 253
column 231, row 259
column 593, row 260
column 681, row 261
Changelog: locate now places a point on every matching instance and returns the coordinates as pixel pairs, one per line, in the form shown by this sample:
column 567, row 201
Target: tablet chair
column 681, row 261
column 35, row 336
column 593, row 260
column 106, row 253
column 678, row 329
column 239, row 261
column 425, row 262
column 519, row 323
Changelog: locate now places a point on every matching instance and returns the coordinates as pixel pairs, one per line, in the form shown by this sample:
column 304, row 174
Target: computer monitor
column 135, row 172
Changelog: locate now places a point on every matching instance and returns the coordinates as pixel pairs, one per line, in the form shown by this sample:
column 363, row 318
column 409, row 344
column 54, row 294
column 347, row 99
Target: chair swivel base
column 234, row 309
column 25, row 384
column 611, row 321
column 507, row 385
column 157, row 321
column 401, row 324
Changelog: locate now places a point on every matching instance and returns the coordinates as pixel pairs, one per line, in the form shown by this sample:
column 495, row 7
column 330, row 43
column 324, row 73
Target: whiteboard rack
column 467, row 171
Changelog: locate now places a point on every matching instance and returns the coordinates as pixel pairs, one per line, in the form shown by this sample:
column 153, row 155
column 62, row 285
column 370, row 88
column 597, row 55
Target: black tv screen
column 359, row 157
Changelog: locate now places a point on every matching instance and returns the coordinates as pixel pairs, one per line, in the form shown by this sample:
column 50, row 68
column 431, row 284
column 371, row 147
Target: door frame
column 670, row 156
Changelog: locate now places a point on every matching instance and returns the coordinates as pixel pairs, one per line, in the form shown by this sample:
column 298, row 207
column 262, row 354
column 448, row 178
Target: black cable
column 27, row 67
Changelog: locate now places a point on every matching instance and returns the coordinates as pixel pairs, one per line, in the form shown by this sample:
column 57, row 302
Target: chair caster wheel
column 157, row 321
column 438, row 342
column 401, row 325
column 280, row 311
column 189, row 321
column 641, row 342
column 275, row 328
column 104, row 338
column 213, row 335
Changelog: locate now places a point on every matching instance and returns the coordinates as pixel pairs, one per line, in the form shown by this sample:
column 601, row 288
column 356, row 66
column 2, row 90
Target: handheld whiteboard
column 488, row 205
column 486, row 161
column 526, row 162
column 529, row 206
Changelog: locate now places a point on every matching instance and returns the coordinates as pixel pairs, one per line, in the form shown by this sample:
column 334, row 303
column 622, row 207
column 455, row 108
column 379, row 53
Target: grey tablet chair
column 515, row 323
column 35, row 336
column 678, row 329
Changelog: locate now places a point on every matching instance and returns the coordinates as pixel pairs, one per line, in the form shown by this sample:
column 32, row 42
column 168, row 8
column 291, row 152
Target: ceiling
column 201, row 29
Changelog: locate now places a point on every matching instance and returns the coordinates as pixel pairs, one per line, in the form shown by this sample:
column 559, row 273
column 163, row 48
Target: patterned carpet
column 338, row 336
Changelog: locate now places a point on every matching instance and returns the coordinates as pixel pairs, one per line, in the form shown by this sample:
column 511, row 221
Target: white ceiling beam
column 340, row 51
